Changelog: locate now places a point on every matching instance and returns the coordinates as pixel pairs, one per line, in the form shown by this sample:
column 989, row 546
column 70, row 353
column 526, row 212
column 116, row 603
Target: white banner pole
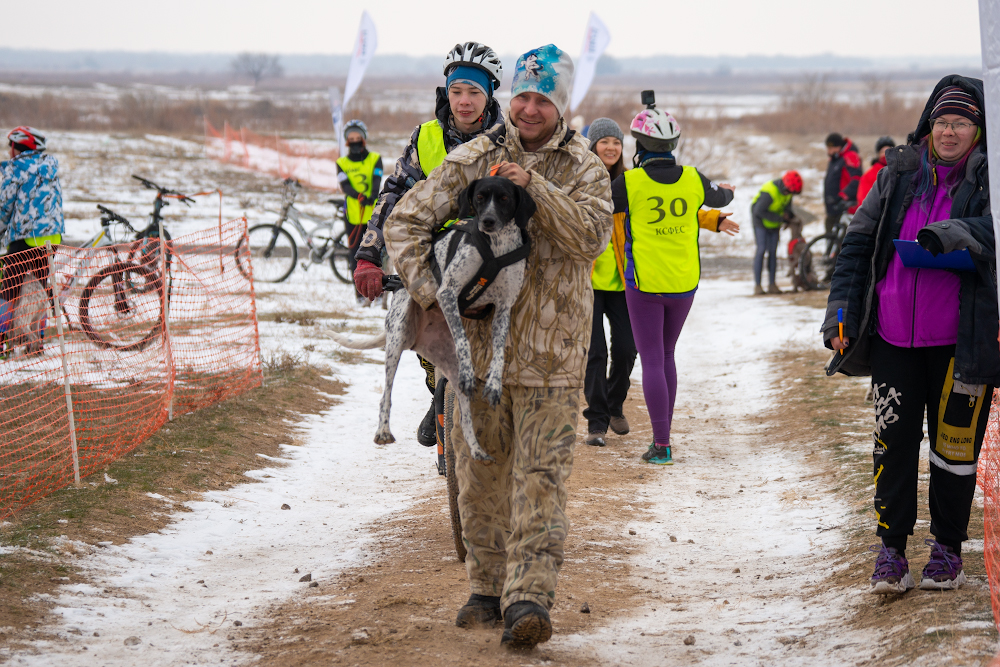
column 595, row 41
column 989, row 30
column 364, row 49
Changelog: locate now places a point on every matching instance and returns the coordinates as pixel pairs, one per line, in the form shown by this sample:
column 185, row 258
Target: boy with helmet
column 465, row 109
column 657, row 217
column 771, row 208
column 360, row 176
column 30, row 210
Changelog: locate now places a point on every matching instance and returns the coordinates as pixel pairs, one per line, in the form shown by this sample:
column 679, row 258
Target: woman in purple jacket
column 928, row 336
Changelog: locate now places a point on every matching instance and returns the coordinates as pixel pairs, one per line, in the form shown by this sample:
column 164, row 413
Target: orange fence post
column 65, row 364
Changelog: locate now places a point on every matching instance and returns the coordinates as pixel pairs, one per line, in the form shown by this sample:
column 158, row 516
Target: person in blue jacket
column 30, row 210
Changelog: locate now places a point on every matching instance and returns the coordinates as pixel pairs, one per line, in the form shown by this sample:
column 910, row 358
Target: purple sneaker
column 943, row 571
column 892, row 572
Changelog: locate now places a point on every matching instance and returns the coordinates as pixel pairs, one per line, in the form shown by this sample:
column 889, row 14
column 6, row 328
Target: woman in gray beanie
column 606, row 390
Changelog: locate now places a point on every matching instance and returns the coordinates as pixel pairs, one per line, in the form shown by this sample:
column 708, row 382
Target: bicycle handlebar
column 391, row 282
column 110, row 216
column 164, row 192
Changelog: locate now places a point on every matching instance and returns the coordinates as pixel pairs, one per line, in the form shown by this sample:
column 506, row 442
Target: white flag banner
column 595, row 40
column 364, row 49
column 337, row 112
column 989, row 28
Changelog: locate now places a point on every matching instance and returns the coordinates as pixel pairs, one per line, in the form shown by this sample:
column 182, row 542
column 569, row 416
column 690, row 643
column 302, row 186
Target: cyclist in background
column 31, row 210
column 465, row 109
column 770, row 209
column 360, row 176
column 868, row 179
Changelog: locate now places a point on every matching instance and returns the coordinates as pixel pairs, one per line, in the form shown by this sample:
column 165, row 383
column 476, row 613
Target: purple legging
column 656, row 324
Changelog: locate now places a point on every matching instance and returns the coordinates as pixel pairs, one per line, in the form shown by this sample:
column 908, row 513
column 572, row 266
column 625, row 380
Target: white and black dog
column 500, row 211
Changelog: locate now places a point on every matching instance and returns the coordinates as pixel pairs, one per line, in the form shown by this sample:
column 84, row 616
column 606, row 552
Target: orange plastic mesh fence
column 271, row 154
column 988, row 477
column 129, row 346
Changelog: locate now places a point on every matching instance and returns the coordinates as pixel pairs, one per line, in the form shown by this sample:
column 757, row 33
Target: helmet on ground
column 656, row 130
column 27, row 136
column 884, row 142
column 474, row 54
column 356, row 126
column 792, row 181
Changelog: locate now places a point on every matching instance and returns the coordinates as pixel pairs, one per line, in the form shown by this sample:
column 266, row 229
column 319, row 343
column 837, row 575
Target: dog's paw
column 492, row 394
column 384, row 437
column 479, row 454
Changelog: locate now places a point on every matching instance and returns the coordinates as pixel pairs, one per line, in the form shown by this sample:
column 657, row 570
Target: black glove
column 930, row 242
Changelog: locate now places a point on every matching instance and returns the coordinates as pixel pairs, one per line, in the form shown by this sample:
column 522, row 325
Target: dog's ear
column 525, row 207
column 465, row 207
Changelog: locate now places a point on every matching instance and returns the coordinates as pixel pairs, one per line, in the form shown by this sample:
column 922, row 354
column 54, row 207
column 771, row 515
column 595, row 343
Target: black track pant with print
column 905, row 382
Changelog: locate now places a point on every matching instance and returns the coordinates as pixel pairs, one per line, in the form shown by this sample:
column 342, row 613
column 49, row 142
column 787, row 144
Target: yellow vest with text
column 430, row 147
column 779, row 202
column 663, row 224
column 360, row 175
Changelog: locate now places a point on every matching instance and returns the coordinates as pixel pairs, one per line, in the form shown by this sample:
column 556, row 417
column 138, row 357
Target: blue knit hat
column 548, row 71
column 472, row 76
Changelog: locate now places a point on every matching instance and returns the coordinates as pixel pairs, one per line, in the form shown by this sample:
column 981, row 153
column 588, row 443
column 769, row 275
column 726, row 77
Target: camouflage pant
column 513, row 511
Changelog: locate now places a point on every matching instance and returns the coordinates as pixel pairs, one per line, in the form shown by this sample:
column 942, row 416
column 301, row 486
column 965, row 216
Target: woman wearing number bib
column 657, row 221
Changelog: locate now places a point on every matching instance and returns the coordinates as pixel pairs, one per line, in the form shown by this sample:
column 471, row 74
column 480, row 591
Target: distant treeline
column 397, row 65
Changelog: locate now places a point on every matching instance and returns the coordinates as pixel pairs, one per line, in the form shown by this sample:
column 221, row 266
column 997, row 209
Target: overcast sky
column 420, row 27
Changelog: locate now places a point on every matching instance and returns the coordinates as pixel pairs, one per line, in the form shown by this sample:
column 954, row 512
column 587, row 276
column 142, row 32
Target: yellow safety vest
column 663, row 222
column 605, row 273
column 430, row 147
column 360, row 175
column 779, row 202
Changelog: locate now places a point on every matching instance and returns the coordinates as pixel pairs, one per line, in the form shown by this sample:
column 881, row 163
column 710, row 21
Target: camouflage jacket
column 551, row 319
column 30, row 197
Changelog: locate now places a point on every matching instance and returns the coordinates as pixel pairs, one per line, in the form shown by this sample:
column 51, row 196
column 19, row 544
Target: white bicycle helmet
column 356, row 125
column 475, row 55
column 656, row 130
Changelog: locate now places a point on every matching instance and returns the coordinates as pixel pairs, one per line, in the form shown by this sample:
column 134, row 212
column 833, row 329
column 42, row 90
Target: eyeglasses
column 959, row 127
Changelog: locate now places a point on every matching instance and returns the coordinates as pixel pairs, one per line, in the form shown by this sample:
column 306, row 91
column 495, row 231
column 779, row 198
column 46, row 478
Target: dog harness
column 488, row 272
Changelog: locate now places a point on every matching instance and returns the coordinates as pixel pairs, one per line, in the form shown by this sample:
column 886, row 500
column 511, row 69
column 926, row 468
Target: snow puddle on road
column 170, row 598
column 738, row 528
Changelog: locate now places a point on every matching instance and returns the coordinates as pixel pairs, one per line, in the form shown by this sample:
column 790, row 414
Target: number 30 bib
column 663, row 221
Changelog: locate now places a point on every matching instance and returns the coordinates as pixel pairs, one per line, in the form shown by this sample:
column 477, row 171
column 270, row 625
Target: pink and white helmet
column 656, row 130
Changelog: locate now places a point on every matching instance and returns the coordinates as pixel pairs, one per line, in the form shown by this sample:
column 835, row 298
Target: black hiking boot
column 526, row 624
column 479, row 610
column 426, row 433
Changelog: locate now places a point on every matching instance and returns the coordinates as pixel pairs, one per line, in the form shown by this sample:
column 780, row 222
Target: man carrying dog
column 513, row 512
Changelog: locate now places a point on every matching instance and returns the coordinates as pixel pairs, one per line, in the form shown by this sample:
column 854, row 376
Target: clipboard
column 914, row 256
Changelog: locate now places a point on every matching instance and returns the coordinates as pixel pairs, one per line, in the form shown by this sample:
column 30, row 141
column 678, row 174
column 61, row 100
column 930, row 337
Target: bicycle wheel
column 816, row 264
column 272, row 251
column 340, row 260
column 449, row 454
column 148, row 253
column 113, row 316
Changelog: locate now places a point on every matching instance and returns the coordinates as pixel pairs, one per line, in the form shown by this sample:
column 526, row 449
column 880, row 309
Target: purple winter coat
column 919, row 307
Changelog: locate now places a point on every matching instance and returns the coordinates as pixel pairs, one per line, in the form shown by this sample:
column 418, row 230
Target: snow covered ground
column 167, row 598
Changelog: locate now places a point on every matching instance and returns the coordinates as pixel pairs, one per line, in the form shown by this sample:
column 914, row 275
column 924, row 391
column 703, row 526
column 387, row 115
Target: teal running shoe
column 660, row 455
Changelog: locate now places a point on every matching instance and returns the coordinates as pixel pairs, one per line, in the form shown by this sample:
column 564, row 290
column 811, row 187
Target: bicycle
column 114, row 300
column 273, row 248
column 820, row 255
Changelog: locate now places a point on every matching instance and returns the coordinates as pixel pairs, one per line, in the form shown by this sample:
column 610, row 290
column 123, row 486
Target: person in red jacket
column 868, row 179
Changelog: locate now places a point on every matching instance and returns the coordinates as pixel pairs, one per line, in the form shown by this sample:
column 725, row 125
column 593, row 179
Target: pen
column 840, row 325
